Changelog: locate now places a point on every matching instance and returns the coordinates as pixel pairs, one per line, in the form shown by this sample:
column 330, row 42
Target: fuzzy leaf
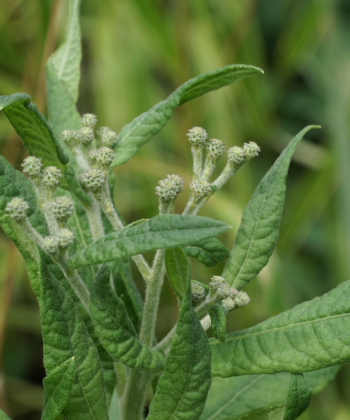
column 209, row 252
column 267, row 413
column 137, row 133
column 258, row 232
column 183, row 386
column 58, row 386
column 230, row 397
column 65, row 336
column 115, row 329
column 160, row 232
column 218, row 321
column 114, row 408
column 178, row 269
column 299, row 397
column 308, row 337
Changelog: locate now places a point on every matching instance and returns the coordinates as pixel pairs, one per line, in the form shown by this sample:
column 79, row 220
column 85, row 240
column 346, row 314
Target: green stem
column 197, row 162
column 94, row 217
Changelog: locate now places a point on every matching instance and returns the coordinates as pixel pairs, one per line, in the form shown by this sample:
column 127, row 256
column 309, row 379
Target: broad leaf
column 183, row 387
column 115, row 329
column 137, row 133
column 65, row 336
column 160, row 232
column 299, row 397
column 258, row 232
column 3, row 416
column 58, row 386
column 209, row 252
column 268, row 413
column 308, row 337
column 236, row 396
column 178, row 269
column 218, row 321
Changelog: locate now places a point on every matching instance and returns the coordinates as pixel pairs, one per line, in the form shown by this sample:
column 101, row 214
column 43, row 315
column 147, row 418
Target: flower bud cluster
column 93, row 180
column 89, row 121
column 197, row 136
column 200, row 189
column 238, row 300
column 230, row 297
column 170, row 188
column 63, row 208
column 106, row 137
column 51, row 178
column 50, row 245
column 215, row 149
column 32, row 166
column 198, row 292
column 237, row 155
column 103, row 157
column 65, row 238
column 17, row 209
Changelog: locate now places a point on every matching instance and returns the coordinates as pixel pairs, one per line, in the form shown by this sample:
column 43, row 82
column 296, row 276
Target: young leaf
column 114, row 408
column 137, row 133
column 209, row 252
column 178, row 269
column 114, row 328
column 218, row 321
column 299, row 397
column 236, row 396
column 65, row 336
column 310, row 336
column 183, row 387
column 258, row 232
column 58, row 386
column 3, row 416
column 160, row 232
column 267, row 413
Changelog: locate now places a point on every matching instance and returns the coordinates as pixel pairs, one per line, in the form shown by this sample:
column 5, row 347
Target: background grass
column 136, row 52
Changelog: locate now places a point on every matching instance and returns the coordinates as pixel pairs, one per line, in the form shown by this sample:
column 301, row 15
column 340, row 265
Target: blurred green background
column 136, row 52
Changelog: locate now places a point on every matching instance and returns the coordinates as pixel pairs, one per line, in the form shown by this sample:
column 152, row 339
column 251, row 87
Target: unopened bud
column 197, row 136
column 242, row 298
column 89, row 120
column 103, row 157
column 49, row 245
column 198, row 292
column 106, row 137
column 93, row 180
column 200, row 189
column 65, row 238
column 63, row 208
column 235, row 155
column 51, row 177
column 32, row 166
column 71, row 138
column 17, row 208
column 216, row 282
column 229, row 304
column 251, row 150
column 215, row 149
column 223, row 291
column 170, row 187
column 86, row 136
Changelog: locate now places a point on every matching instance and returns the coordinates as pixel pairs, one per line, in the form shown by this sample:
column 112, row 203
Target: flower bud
column 197, row 136
column 17, row 208
column 235, row 155
column 216, row 282
column 65, row 238
column 242, row 298
column 103, row 157
column 251, row 150
column 32, row 166
column 71, row 138
column 86, row 136
column 200, row 189
column 198, row 292
column 49, row 245
column 93, row 180
column 63, row 208
column 51, row 178
column 223, row 291
column 170, row 187
column 215, row 149
column 106, row 137
column 229, row 304
column 89, row 120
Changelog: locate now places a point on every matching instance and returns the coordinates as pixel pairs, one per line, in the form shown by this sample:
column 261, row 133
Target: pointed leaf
column 178, row 269
column 137, row 133
column 115, row 329
column 160, row 232
column 183, row 387
column 258, row 232
column 218, row 321
column 299, row 397
column 58, row 386
column 308, row 337
column 209, row 252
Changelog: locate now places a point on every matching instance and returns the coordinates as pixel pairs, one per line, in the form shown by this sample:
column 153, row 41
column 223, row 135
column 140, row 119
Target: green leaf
column 115, row 329
column 65, row 336
column 299, row 397
column 114, row 408
column 160, row 232
column 137, row 133
column 258, row 232
column 178, row 269
column 236, row 396
column 183, row 386
column 34, row 130
column 58, row 386
column 218, row 321
column 308, row 337
column 3, row 416
column 209, row 252
column 268, row 413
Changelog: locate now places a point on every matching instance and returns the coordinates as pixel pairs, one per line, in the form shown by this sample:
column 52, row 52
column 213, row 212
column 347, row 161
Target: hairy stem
column 94, row 217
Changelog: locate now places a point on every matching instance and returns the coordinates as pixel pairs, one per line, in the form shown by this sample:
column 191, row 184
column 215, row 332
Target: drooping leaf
column 258, row 232
column 183, row 386
column 218, row 321
column 236, row 396
column 4, row 416
column 267, row 413
column 65, row 336
column 209, row 252
column 160, row 232
column 308, row 337
column 137, row 133
column 115, row 329
column 178, row 269
column 58, row 386
column 299, row 397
